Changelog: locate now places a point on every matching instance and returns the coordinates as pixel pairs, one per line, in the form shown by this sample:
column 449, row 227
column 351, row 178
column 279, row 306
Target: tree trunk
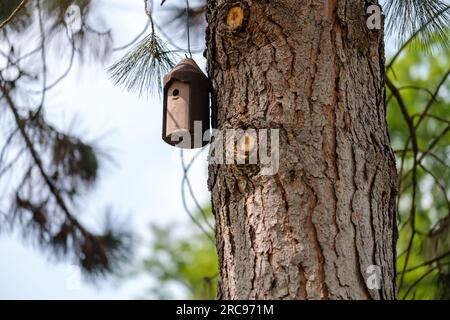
column 315, row 71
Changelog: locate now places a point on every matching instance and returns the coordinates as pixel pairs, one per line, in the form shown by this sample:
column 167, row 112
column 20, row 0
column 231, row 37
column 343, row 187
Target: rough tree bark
column 314, row 70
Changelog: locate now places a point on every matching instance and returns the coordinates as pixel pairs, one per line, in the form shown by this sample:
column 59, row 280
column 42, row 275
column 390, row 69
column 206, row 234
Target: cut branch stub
column 247, row 143
column 236, row 16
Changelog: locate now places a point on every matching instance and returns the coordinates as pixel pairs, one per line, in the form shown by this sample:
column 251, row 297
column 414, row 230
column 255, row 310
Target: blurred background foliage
column 46, row 171
column 423, row 81
column 183, row 256
column 63, row 167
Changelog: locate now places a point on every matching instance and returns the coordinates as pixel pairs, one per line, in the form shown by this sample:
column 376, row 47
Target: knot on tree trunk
column 235, row 16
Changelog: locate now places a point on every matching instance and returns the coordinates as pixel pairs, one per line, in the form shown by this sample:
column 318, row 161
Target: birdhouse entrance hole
column 178, row 108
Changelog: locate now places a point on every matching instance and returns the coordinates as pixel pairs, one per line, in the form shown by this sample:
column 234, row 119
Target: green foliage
column 423, row 81
column 182, row 258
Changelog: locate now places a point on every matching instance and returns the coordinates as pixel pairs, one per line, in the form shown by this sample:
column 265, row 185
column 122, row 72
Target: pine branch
column 97, row 254
column 142, row 69
column 427, row 20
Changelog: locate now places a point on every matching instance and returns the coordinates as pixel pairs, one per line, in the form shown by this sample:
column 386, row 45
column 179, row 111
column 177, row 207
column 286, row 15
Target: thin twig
column 183, row 196
column 43, row 56
column 38, row 162
column 439, row 184
column 149, row 15
column 65, row 73
column 132, row 42
column 14, row 13
column 13, row 161
column 413, row 36
column 427, row 263
column 415, row 148
column 428, row 150
column 191, row 191
column 433, row 98
column 415, row 283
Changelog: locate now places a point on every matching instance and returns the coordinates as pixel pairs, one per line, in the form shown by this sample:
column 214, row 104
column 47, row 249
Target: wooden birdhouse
column 186, row 106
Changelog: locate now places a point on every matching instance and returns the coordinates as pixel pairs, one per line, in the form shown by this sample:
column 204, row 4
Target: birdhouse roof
column 185, row 70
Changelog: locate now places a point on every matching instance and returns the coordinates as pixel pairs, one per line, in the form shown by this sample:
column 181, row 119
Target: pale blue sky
column 142, row 186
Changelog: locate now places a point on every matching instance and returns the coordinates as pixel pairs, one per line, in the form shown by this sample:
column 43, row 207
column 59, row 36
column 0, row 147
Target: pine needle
column 143, row 68
column 429, row 20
